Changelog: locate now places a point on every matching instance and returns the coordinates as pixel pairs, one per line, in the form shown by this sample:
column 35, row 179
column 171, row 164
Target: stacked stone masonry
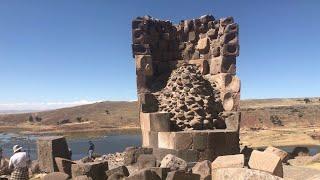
column 186, row 81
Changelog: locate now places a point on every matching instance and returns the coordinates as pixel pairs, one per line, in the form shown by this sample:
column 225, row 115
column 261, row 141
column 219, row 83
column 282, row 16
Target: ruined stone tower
column 187, row 86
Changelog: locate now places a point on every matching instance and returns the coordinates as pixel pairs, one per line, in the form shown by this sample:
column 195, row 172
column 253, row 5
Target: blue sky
column 70, row 51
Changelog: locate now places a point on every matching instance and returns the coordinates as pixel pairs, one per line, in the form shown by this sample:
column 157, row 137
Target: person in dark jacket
column 91, row 149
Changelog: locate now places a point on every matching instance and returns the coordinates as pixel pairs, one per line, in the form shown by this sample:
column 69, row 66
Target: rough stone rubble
column 192, row 100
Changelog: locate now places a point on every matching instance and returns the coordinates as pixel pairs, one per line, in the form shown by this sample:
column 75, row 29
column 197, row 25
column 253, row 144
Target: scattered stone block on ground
column 203, row 168
column 280, row 153
column 64, row 165
column 267, row 162
column 242, row 174
column 173, row 162
column 121, row 170
column 144, row 174
column 146, row 161
column 56, row 176
column 82, row 178
column 95, row 170
column 161, row 172
column 228, row 161
column 182, row 175
column 132, row 154
column 50, row 147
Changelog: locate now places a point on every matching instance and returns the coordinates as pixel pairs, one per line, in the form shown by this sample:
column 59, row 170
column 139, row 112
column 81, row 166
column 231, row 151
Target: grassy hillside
column 255, row 114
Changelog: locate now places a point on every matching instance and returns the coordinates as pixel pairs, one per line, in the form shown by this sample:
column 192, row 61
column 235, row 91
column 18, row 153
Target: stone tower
column 187, row 86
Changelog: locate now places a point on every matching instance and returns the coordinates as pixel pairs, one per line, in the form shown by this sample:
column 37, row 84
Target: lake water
column 103, row 145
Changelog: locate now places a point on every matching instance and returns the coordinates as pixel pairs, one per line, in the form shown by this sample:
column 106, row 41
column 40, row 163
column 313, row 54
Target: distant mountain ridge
column 110, row 114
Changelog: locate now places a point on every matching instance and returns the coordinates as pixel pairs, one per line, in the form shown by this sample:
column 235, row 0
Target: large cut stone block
column 226, row 82
column 228, row 161
column 241, row 174
column 149, row 139
column 64, row 165
column 200, row 140
column 161, row 172
column 182, row 140
column 223, row 64
column 181, row 175
column 50, row 147
column 267, row 162
column 148, row 102
column 230, row 101
column 156, row 122
column 203, row 168
column 146, row 161
column 56, row 176
column 133, row 153
column 202, row 64
column 230, row 49
column 232, row 120
column 175, row 140
column 144, row 174
column 95, row 170
column 121, row 170
column 165, row 140
column 276, row 151
column 224, row 142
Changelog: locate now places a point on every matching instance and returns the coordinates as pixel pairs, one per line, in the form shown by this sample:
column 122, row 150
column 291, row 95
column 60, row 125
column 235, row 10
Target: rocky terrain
column 191, row 99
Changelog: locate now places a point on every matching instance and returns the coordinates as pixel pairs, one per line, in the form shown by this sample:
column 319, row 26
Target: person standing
column 91, row 149
column 19, row 164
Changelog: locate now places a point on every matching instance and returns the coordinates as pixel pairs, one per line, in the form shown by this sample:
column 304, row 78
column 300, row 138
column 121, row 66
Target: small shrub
column 307, row 100
column 30, row 118
column 38, row 119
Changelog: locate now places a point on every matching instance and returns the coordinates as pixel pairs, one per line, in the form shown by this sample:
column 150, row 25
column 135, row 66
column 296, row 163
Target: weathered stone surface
column 148, row 102
column 82, row 178
column 132, row 154
column 156, row 122
column 161, row 172
column 267, row 162
column 35, row 169
column 203, row 45
column 50, row 147
column 228, row 161
column 232, row 120
column 64, row 165
column 182, row 175
column 116, row 177
column 241, row 174
column 223, row 142
column 121, row 170
column 173, row 162
column 165, row 140
column 223, row 64
column 203, row 168
column 56, row 176
column 144, row 174
column 202, row 64
column 149, row 139
column 280, row 153
column 95, row 170
column 200, row 140
column 146, row 161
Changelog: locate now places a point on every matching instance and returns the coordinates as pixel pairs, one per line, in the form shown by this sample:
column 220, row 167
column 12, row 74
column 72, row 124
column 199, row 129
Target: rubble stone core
column 186, row 81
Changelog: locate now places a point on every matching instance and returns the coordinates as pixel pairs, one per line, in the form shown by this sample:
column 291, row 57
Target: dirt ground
column 279, row 137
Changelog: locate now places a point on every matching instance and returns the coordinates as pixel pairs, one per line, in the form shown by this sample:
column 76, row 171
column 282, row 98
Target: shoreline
column 278, row 137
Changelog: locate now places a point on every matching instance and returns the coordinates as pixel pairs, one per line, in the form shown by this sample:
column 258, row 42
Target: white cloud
column 40, row 106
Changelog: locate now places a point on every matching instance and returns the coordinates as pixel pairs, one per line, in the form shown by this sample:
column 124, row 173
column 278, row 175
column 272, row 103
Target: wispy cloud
column 39, row 106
